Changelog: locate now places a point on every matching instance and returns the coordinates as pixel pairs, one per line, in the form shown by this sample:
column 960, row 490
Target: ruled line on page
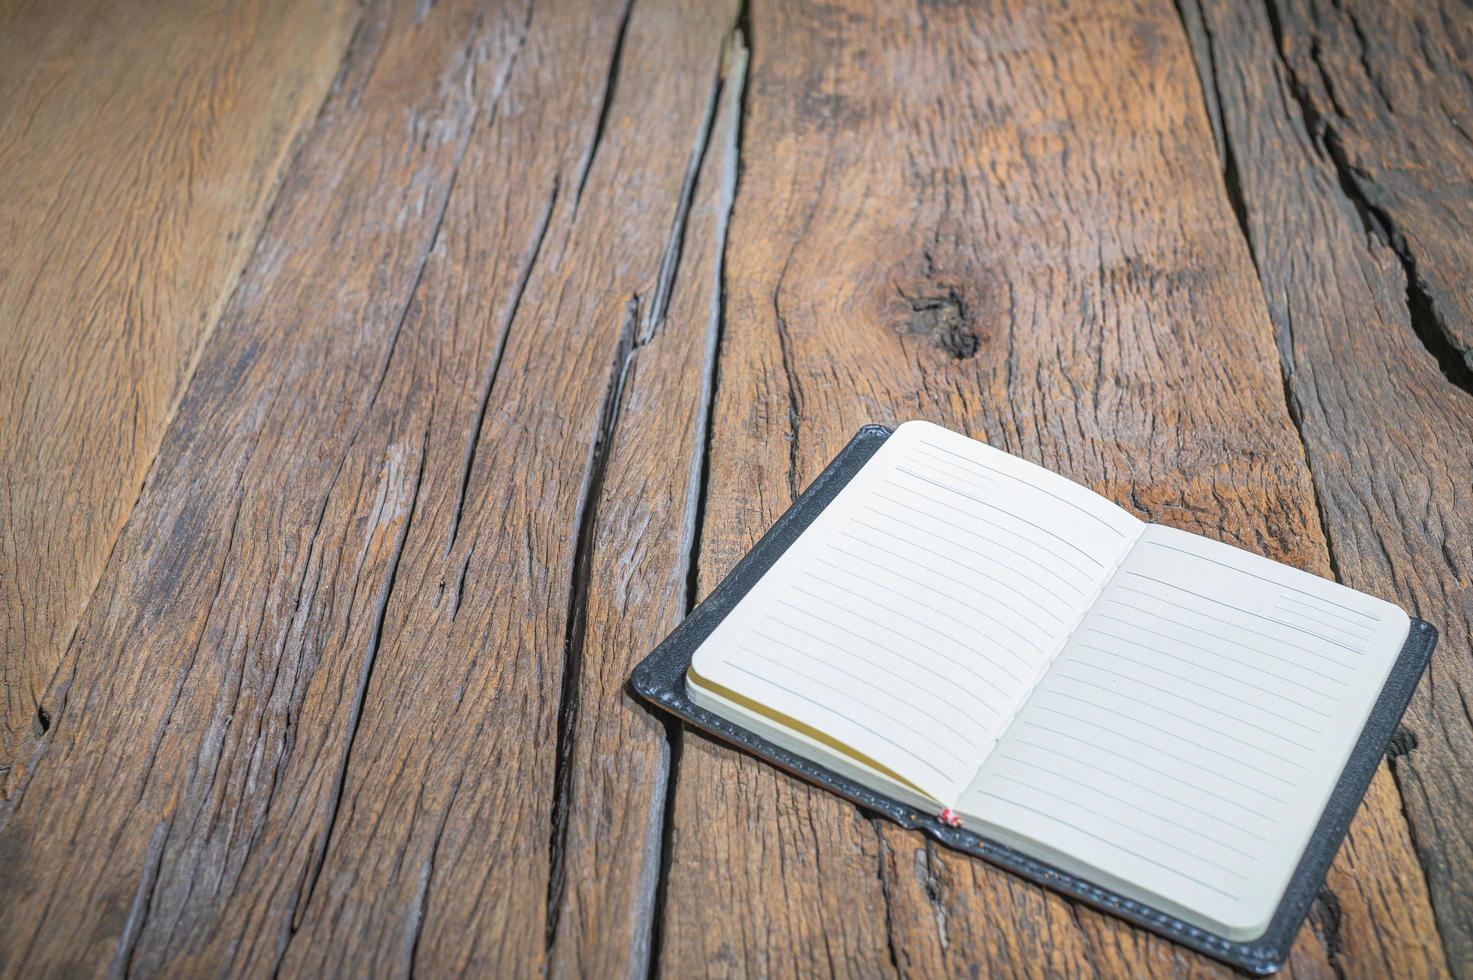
column 1193, row 701
column 1108, row 842
column 969, row 716
column 1138, row 741
column 1307, row 600
column 1306, row 621
column 1296, row 647
column 955, row 561
column 951, row 681
column 840, row 715
column 1031, row 542
column 929, row 587
column 961, row 581
column 1002, row 510
column 1194, row 722
column 1027, row 483
column 1012, row 552
column 961, row 472
column 924, row 714
column 829, row 689
column 1249, row 612
column 1115, row 774
column 1097, row 814
column 1157, row 617
column 1022, row 638
column 970, row 479
column 1033, row 765
column 1095, row 630
column 1264, row 578
column 1156, row 668
column 922, row 623
column 1011, row 569
column 1234, row 759
column 1019, row 592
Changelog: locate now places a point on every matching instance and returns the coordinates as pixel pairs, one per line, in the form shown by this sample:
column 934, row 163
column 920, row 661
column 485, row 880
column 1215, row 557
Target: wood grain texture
column 1007, row 220
column 1388, row 435
column 327, row 657
column 515, row 338
column 140, row 147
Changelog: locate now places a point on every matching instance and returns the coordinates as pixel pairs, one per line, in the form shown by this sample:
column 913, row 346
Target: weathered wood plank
column 180, row 807
column 450, row 840
column 642, row 533
column 1389, row 437
column 1389, row 87
column 140, row 147
column 1009, row 223
column 218, row 671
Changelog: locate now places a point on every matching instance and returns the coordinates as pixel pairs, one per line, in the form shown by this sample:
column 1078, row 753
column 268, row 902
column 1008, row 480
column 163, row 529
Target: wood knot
column 941, row 315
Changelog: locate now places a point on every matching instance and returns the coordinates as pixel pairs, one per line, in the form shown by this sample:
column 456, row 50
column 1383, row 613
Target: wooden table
column 379, row 382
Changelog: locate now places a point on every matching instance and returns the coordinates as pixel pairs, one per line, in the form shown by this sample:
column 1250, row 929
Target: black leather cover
column 660, row 678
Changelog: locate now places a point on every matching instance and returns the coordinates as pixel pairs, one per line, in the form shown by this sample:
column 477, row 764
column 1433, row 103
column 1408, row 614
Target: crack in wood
column 732, row 94
column 122, row 964
column 355, row 716
column 1087, row 946
column 459, row 594
column 473, row 437
column 586, row 522
column 370, row 654
column 883, row 855
column 928, row 866
column 426, row 875
column 143, row 901
column 795, row 398
column 1456, row 365
column 1327, row 920
column 1201, row 43
column 674, row 739
column 670, row 260
column 790, row 376
column 611, row 80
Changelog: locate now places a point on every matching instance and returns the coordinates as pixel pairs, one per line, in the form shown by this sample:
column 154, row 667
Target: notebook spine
column 1048, row 665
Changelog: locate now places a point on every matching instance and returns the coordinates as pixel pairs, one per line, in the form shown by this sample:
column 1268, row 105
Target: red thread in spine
column 949, row 817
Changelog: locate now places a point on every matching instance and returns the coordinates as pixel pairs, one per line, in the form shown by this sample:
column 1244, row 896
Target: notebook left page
column 912, row 618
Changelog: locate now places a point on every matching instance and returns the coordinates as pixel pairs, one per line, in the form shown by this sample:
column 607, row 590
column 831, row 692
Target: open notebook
column 983, row 640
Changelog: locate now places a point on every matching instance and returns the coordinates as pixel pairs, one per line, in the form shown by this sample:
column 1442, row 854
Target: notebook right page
column 1184, row 742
